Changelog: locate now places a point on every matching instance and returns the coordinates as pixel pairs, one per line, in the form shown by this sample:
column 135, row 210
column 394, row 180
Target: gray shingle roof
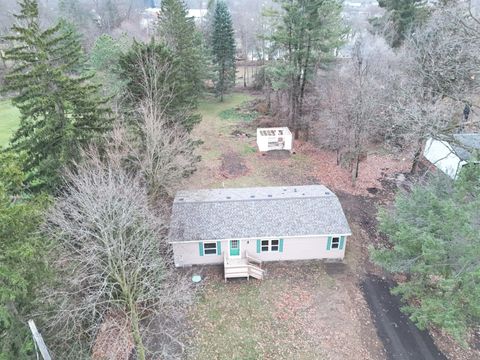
column 465, row 144
column 256, row 212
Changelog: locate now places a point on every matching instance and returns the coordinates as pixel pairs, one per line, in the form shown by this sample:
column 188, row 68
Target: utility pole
column 37, row 337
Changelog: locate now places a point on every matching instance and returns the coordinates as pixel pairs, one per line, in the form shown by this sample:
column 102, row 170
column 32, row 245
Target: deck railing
column 253, row 259
column 245, row 269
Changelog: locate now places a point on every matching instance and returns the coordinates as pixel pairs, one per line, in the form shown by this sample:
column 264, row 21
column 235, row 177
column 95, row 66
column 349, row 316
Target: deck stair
column 244, row 266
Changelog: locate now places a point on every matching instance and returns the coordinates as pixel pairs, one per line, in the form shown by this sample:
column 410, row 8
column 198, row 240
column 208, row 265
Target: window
column 210, row 248
column 270, row 245
column 335, row 243
column 274, row 245
column 264, row 245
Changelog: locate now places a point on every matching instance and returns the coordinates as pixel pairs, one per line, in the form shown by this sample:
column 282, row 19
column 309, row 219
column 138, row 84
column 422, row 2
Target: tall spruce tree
column 60, row 109
column 178, row 31
column 223, row 49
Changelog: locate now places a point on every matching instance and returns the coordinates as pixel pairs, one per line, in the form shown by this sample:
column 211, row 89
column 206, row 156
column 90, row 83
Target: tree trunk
column 269, row 100
column 416, row 157
column 304, row 79
column 293, row 111
column 244, row 76
column 137, row 337
column 355, row 169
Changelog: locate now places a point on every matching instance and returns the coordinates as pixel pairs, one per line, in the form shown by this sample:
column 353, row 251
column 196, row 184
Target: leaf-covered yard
column 298, row 312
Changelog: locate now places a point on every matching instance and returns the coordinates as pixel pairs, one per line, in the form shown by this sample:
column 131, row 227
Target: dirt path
column 401, row 338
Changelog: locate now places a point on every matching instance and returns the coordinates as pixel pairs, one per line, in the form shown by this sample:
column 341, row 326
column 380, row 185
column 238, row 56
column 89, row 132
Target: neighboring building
column 243, row 226
column 198, row 15
column 450, row 156
column 150, row 19
column 274, row 139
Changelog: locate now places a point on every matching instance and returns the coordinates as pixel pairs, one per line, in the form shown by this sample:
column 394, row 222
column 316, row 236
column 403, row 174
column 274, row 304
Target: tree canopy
column 23, row 265
column 60, row 109
column 152, row 71
column 435, row 233
column 178, row 31
column 223, row 49
column 401, row 17
column 306, row 32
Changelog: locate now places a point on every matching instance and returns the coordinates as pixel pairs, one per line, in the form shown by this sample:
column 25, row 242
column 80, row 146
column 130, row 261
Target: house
column 244, row 227
column 198, row 15
column 274, row 139
column 450, row 156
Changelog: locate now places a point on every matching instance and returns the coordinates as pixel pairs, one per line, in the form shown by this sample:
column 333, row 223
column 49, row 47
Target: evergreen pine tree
column 223, row 49
column 178, row 31
column 306, row 33
column 22, row 264
column 435, row 240
column 403, row 15
column 60, row 109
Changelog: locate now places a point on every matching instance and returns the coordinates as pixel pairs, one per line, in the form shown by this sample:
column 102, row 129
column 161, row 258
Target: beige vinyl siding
column 185, row 254
column 301, row 248
column 294, row 248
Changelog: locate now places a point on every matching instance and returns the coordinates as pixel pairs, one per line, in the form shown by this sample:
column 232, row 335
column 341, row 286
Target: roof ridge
column 255, row 199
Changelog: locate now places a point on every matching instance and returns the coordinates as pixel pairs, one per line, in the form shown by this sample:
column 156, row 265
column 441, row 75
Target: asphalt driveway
column 401, row 338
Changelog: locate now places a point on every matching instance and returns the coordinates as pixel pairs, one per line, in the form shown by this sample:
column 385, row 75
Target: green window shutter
column 280, row 247
column 258, row 246
column 200, row 248
column 342, row 241
column 329, row 243
column 219, row 248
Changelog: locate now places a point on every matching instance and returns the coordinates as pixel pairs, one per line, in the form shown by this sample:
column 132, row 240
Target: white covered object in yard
column 279, row 138
column 450, row 156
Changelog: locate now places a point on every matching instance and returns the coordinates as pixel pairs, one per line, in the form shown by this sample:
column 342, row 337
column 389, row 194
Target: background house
column 270, row 223
column 450, row 156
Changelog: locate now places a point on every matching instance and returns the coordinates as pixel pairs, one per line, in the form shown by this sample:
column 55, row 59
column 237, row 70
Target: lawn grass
column 219, row 122
column 253, row 319
column 211, row 106
column 9, row 120
column 238, row 115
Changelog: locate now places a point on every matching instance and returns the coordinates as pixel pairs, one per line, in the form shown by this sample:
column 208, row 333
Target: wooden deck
column 242, row 266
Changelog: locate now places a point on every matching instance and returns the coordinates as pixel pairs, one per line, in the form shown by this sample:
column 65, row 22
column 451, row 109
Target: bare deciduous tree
column 166, row 154
column 441, row 62
column 162, row 151
column 403, row 98
column 355, row 99
column 112, row 258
